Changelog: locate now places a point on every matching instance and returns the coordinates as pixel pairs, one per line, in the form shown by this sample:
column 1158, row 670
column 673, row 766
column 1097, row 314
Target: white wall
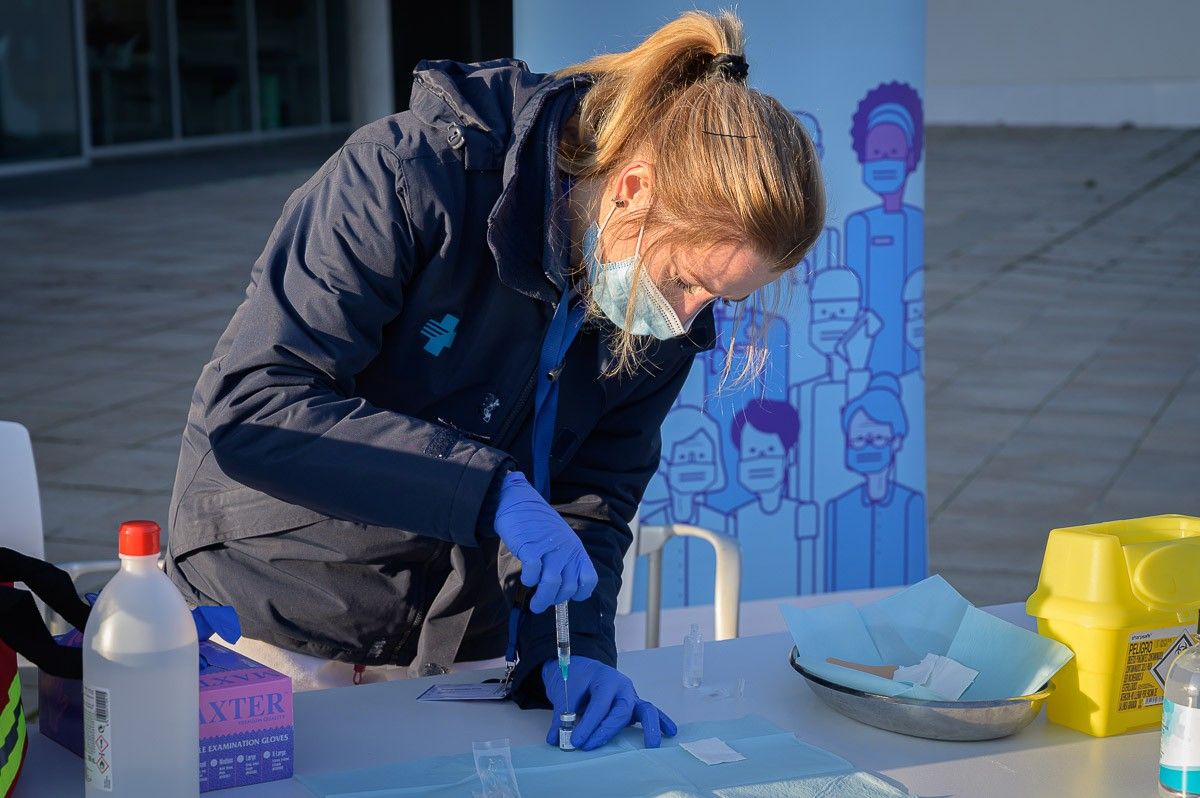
column 1063, row 62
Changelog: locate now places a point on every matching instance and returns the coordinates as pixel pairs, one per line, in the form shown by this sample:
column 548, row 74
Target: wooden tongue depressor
column 886, row 671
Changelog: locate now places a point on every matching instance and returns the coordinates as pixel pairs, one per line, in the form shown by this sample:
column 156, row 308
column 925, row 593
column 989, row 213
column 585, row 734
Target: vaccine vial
column 1179, row 765
column 567, row 725
column 693, row 657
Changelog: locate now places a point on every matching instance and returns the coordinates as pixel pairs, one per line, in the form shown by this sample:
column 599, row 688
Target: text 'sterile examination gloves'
column 606, row 702
column 551, row 554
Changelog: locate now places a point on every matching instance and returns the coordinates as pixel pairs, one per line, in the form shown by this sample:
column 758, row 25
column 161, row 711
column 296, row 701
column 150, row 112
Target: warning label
column 97, row 742
column 1149, row 655
column 1159, row 671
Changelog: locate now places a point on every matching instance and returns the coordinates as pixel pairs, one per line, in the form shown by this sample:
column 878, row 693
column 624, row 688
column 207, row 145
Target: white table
column 373, row 724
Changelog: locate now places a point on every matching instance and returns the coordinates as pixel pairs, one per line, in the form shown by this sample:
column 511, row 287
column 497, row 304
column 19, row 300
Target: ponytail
column 732, row 165
column 635, row 88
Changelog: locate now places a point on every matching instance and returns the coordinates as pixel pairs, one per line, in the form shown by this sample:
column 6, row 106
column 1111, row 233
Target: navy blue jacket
column 342, row 456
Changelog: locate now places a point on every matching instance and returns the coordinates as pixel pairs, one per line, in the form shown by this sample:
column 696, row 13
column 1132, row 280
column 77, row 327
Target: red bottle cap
column 138, row 539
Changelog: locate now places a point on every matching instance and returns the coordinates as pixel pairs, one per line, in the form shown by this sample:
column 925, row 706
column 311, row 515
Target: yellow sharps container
column 1124, row 597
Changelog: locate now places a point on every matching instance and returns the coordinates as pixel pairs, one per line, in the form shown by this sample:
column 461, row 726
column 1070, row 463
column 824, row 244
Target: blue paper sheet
column 1011, row 661
column 930, row 617
column 777, row 764
column 838, row 630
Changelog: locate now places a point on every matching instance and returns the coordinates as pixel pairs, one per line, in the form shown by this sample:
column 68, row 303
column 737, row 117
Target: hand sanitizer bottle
column 1179, row 766
column 141, row 689
column 693, row 657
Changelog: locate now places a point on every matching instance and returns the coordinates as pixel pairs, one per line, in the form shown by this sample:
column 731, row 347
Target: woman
column 353, row 476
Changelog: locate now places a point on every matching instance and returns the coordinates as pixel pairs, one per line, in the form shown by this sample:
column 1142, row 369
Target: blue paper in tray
column 777, row 764
column 928, row 618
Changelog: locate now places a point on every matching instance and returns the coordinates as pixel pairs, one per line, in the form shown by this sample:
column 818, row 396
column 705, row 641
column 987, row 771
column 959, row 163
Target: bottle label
column 1149, row 655
column 1179, row 766
column 97, row 738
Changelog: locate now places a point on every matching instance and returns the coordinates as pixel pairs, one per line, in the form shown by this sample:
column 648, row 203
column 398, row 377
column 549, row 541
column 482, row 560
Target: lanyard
column 564, row 326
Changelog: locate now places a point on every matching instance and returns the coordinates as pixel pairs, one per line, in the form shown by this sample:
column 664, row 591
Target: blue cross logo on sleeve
column 439, row 333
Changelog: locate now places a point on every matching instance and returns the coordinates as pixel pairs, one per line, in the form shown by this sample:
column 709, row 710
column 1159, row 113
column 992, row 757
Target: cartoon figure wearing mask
column 693, row 469
column 778, row 535
column 885, row 244
column 827, row 252
column 910, row 461
column 875, row 532
column 842, row 331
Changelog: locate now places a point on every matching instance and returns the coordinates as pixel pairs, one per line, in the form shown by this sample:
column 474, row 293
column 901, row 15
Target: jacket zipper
column 518, row 410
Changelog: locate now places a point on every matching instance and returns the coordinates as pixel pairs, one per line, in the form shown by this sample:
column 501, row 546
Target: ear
column 635, row 184
column 897, row 444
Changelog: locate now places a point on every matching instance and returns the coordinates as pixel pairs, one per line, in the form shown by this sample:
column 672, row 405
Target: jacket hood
column 509, row 118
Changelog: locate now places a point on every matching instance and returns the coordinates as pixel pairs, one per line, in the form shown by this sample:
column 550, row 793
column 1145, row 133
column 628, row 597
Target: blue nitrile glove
column 608, row 702
column 208, row 618
column 219, row 619
column 551, row 554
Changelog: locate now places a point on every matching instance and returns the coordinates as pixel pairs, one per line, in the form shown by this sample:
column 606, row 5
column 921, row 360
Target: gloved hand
column 551, row 554
column 608, row 703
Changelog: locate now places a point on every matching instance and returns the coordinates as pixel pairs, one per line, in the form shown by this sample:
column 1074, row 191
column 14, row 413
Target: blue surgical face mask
column 692, row 477
column 612, row 286
column 869, row 459
column 914, row 333
column 826, row 334
column 761, row 473
column 885, row 176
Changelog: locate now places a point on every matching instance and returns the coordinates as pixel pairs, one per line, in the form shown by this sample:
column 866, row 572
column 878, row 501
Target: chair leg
column 728, row 590
column 728, row 585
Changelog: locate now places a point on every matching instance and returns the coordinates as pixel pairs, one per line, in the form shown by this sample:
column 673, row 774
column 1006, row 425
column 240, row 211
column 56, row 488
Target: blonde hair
column 732, row 165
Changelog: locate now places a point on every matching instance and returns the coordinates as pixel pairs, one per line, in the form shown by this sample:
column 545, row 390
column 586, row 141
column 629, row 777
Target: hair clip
column 728, row 65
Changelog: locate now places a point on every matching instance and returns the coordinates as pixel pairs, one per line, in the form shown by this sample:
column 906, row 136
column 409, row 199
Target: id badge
column 488, row 691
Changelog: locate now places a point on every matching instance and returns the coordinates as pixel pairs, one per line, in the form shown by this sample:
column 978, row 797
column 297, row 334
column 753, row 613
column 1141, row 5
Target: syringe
column 562, row 630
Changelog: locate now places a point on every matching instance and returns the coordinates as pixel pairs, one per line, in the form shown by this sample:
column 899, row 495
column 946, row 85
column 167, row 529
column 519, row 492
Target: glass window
column 39, row 107
column 289, row 87
column 214, row 75
column 129, row 81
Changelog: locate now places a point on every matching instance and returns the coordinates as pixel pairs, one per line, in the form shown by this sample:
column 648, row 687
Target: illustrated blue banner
column 818, row 468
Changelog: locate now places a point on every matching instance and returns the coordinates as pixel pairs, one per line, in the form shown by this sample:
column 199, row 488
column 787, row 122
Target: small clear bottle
column 693, row 657
column 1179, row 765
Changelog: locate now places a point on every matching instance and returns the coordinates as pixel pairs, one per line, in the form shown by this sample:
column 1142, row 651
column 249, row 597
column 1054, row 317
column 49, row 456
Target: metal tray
column 933, row 720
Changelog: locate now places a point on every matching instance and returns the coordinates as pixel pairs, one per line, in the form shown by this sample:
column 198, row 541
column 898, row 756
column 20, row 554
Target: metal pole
column 323, row 62
column 82, row 89
column 173, row 71
column 252, row 54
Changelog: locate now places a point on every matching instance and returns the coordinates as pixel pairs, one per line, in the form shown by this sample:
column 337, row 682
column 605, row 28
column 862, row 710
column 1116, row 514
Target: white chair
column 20, row 504
column 21, row 510
column 650, row 540
column 21, row 524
